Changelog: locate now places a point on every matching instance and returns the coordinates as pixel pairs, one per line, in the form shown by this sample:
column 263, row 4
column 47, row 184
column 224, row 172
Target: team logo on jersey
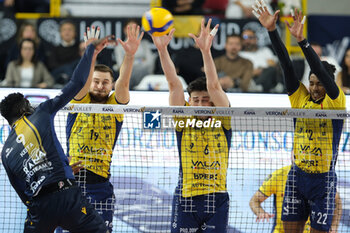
column 152, row 120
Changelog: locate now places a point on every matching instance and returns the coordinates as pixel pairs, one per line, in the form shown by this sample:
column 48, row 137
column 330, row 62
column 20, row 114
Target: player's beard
column 98, row 98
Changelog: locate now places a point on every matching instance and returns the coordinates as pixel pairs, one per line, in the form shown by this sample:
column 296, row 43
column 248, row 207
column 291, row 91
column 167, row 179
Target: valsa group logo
column 154, row 120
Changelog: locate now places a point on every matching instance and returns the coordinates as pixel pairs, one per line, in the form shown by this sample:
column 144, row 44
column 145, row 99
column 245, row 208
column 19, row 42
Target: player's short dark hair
column 330, row 68
column 104, row 69
column 199, row 84
column 11, row 107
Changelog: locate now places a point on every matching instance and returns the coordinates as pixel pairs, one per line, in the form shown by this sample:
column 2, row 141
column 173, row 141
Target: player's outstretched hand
column 205, row 38
column 297, row 29
column 133, row 40
column 264, row 216
column 91, row 37
column 262, row 13
column 103, row 43
column 161, row 42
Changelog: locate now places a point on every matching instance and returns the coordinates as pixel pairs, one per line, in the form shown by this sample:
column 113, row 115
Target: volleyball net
column 223, row 149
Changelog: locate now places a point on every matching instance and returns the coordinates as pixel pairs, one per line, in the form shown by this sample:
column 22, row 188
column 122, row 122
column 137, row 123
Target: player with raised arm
column 91, row 137
column 201, row 201
column 311, row 184
column 36, row 164
column 275, row 185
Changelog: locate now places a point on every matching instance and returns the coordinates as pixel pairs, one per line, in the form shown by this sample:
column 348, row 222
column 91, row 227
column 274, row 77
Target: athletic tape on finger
column 255, row 8
column 263, row 3
column 214, row 31
column 85, row 38
column 292, row 12
column 88, row 33
column 303, row 21
column 92, row 33
column 97, row 33
column 255, row 14
column 257, row 3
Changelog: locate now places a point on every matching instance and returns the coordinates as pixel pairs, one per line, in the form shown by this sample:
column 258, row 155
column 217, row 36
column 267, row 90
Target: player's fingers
column 256, row 14
column 202, row 25
column 141, row 36
column 208, row 24
column 287, row 23
column 192, row 36
column 276, row 14
column 121, row 42
column 292, row 13
column 215, row 30
column 137, row 31
column 171, row 33
column 92, row 33
column 97, row 32
column 85, row 37
column 88, row 33
column 263, row 4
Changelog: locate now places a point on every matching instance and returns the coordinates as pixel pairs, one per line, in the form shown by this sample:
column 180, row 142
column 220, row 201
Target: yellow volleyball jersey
column 203, row 155
column 316, row 141
column 92, row 137
column 275, row 185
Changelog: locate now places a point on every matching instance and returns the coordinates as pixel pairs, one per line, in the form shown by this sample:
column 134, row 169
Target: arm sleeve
column 80, row 74
column 319, row 70
column 290, row 77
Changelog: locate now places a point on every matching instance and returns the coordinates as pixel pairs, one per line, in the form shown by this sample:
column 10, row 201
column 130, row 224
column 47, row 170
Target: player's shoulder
column 86, row 99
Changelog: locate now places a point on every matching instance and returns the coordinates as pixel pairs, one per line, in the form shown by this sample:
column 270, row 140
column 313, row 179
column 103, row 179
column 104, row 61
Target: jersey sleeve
column 269, row 186
column 225, row 122
column 76, row 83
column 337, row 103
column 297, row 98
column 85, row 100
column 112, row 100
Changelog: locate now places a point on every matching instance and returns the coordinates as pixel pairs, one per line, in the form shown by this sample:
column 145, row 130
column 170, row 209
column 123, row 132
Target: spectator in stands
column 63, row 58
column 234, row 71
column 144, row 58
column 343, row 77
column 27, row 71
column 27, row 30
column 184, row 7
column 239, row 9
column 265, row 73
column 303, row 69
column 189, row 63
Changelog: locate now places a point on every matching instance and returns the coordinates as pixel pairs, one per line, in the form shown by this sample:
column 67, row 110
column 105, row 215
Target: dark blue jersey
column 32, row 155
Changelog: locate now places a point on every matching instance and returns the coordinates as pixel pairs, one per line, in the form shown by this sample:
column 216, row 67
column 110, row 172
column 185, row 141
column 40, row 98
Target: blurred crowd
column 243, row 65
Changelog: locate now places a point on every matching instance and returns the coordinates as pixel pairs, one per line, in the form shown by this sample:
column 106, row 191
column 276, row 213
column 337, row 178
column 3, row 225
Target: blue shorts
column 101, row 196
column 68, row 209
column 308, row 194
column 204, row 213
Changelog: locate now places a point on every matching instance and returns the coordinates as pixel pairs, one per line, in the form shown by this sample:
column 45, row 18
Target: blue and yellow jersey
column 91, row 137
column 32, row 155
column 275, row 185
column 203, row 155
column 316, row 141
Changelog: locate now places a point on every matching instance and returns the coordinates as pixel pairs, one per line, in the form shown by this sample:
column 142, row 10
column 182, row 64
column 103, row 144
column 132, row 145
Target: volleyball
column 157, row 21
